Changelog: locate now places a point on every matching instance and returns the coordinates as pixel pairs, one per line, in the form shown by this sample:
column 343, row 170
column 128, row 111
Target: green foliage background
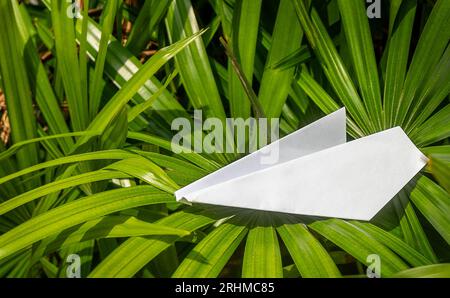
column 88, row 169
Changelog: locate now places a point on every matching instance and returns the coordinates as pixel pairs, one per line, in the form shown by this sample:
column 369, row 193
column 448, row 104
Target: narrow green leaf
column 440, row 168
column 430, row 271
column 436, row 128
column 434, row 203
column 286, row 38
column 83, row 54
column 147, row 171
column 412, row 256
column 311, row 259
column 17, row 146
column 245, row 84
column 107, row 154
column 243, row 43
column 113, row 226
column 208, row 258
column 359, row 244
column 193, row 63
column 121, row 65
column 262, row 257
column 150, row 15
column 138, row 109
column 38, row 77
column 58, row 185
column 196, row 158
column 121, row 98
column 68, row 63
column 436, row 89
column 15, row 85
column 398, row 49
column 432, row 43
column 359, row 39
column 323, row 100
column 136, row 252
column 77, row 212
column 332, row 65
column 95, row 91
column 411, row 228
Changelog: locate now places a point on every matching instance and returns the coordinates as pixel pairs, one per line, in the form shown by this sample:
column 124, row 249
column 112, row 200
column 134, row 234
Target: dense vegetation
column 87, row 103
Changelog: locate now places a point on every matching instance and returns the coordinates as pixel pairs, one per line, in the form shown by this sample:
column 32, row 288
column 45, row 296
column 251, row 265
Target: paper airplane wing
column 324, row 133
column 353, row 180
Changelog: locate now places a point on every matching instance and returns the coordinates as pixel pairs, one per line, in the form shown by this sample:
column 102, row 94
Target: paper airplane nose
column 351, row 180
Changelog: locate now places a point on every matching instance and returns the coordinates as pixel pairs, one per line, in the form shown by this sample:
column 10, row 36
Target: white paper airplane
column 317, row 173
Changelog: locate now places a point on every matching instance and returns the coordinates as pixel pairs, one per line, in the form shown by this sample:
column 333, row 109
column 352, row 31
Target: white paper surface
column 317, row 173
